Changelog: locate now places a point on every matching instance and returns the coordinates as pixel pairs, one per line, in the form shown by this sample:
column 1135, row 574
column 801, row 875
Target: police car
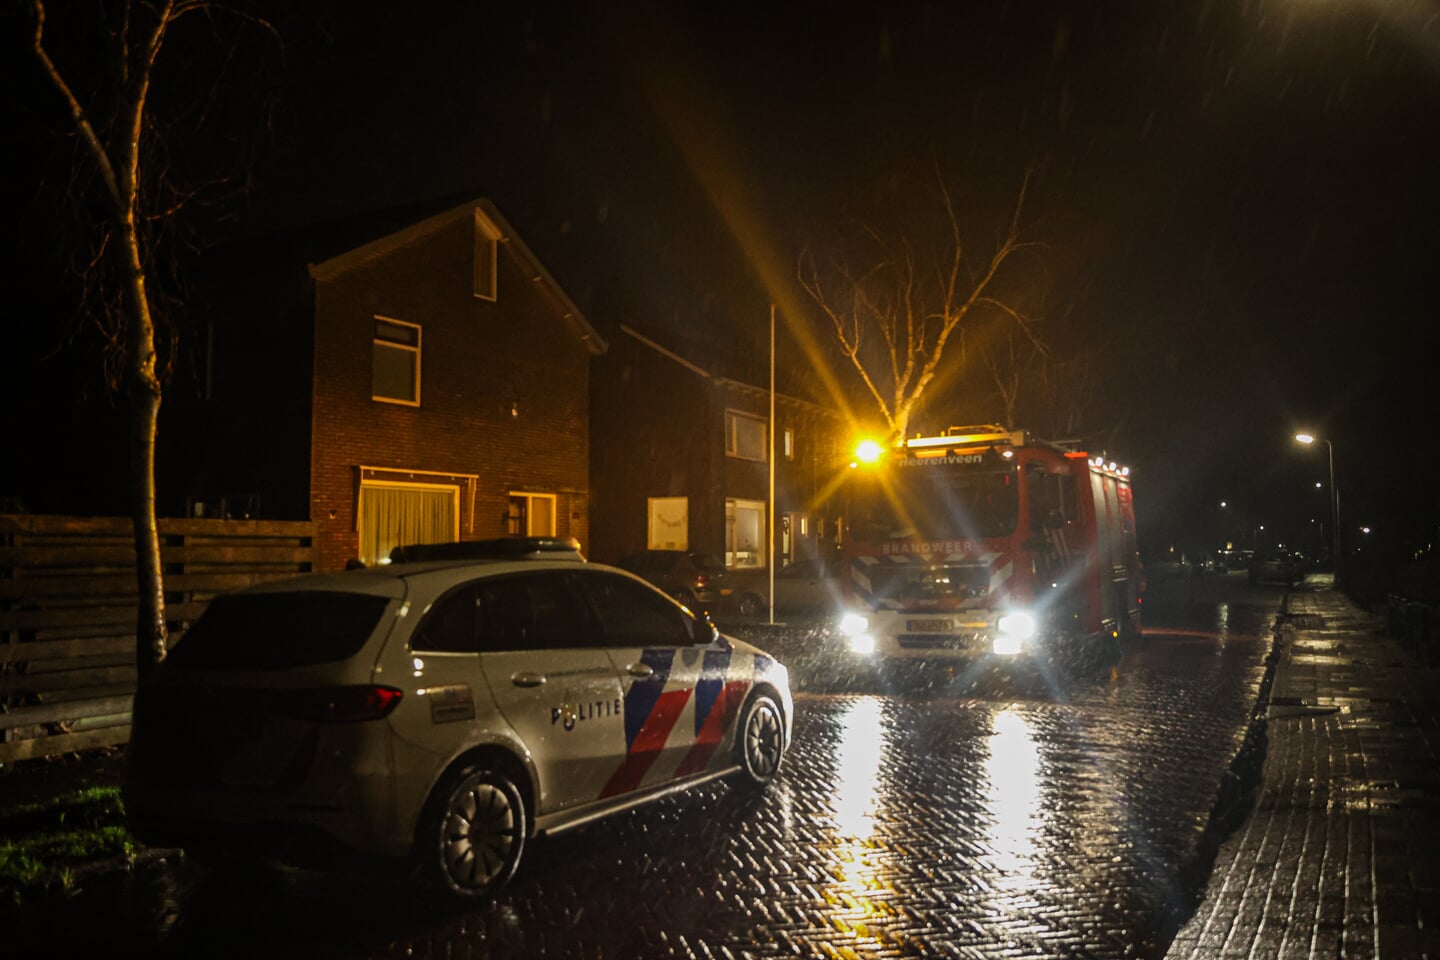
column 441, row 711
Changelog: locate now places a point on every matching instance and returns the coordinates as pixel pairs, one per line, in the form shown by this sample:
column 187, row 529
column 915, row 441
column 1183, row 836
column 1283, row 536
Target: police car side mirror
column 703, row 630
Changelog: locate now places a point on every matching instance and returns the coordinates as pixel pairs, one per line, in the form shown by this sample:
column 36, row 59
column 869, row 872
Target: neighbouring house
column 394, row 382
column 683, row 454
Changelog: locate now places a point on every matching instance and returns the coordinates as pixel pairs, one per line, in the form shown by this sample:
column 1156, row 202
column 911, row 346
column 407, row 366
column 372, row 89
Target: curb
column 1236, row 794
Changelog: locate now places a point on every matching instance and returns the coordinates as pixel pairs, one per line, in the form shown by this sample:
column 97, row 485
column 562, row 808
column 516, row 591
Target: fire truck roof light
column 868, row 451
column 969, row 436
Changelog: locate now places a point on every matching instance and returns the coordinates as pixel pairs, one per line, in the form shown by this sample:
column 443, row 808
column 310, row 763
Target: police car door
column 553, row 682
column 660, row 653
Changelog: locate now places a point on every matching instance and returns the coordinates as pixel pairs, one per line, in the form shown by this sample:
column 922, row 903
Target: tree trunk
column 151, row 636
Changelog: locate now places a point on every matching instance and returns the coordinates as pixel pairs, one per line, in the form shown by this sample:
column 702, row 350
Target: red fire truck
column 989, row 542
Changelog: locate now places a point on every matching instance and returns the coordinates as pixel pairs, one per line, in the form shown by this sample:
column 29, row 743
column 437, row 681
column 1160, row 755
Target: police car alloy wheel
column 473, row 839
column 762, row 740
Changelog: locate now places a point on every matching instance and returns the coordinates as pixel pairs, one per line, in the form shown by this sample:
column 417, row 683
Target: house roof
column 354, row 257
column 720, row 379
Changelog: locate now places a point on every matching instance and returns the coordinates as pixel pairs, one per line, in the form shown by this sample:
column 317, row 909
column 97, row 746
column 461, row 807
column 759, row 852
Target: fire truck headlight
column 1014, row 629
column 855, row 628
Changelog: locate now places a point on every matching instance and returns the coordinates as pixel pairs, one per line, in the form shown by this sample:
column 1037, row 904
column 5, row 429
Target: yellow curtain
column 396, row 516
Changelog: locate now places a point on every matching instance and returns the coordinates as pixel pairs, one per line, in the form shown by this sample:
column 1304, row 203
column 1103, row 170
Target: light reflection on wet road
column 1060, row 816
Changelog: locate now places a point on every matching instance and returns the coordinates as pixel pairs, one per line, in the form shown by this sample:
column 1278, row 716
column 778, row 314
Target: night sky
column 1237, row 199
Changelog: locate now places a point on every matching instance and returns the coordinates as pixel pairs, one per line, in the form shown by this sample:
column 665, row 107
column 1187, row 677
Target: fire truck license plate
column 929, row 626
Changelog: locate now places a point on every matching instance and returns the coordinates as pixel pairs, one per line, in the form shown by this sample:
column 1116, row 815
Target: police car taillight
column 338, row 704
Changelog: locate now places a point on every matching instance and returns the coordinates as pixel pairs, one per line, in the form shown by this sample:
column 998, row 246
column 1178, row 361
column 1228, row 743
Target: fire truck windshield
column 939, row 502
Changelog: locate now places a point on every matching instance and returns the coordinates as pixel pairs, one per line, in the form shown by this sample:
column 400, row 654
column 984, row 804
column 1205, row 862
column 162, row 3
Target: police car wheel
column 762, row 741
column 473, row 838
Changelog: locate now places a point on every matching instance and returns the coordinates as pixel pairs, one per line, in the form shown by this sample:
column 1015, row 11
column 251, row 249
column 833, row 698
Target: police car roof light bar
column 498, row 548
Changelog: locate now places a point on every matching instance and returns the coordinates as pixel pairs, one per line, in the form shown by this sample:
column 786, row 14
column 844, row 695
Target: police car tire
column 761, row 742
column 465, row 857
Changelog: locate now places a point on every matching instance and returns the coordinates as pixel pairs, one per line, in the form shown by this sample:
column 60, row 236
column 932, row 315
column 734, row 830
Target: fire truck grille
column 938, row 641
column 923, row 582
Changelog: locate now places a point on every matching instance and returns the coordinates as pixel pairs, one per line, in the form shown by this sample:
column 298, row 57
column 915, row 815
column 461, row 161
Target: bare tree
column 903, row 320
column 1013, row 353
column 107, row 97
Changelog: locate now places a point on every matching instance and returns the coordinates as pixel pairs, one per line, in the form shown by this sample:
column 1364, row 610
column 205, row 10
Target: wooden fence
column 68, row 609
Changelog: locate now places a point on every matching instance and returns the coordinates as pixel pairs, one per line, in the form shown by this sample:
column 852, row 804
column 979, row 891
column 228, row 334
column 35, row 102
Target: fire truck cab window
column 1052, row 499
column 944, row 501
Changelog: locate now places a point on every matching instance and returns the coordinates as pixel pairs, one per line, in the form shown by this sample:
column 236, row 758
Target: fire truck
column 987, row 542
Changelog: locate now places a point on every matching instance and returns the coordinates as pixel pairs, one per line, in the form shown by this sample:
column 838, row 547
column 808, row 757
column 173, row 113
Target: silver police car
column 440, row 711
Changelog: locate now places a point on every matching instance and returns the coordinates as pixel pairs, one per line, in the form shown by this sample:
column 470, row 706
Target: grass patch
column 42, row 845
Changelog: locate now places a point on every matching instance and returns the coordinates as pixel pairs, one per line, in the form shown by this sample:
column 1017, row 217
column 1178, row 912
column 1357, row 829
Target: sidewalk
column 1341, row 855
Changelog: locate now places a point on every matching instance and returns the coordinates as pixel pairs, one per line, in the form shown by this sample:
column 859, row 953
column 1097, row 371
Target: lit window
column 393, row 514
column 531, row 514
column 487, row 247
column 744, row 533
column 789, row 444
column 744, row 436
column 395, row 377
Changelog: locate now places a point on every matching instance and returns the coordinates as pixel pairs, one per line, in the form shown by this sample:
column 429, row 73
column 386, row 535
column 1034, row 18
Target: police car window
column 530, row 612
column 449, row 627
column 632, row 615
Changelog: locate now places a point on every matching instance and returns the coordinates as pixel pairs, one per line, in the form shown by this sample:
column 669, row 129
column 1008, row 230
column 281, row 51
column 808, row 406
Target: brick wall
column 659, row 431
column 503, row 392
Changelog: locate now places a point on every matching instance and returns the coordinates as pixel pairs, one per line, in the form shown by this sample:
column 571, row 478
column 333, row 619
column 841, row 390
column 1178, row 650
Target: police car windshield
column 937, row 502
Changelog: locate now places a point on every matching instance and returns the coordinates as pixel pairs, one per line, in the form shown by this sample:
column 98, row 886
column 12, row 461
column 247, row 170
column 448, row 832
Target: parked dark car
column 692, row 578
column 1277, row 567
column 805, row 586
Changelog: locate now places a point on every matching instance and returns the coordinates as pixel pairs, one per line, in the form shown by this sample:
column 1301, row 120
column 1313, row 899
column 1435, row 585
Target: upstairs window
column 487, row 257
column 744, row 436
column 396, row 374
column 789, row 444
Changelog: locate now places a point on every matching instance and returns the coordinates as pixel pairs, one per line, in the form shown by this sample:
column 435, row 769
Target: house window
column 744, row 436
column 398, row 514
column 487, row 257
column 789, row 437
column 744, row 533
column 531, row 514
column 396, row 374
column 669, row 523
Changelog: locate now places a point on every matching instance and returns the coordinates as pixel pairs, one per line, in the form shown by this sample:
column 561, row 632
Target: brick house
column 429, row 384
column 684, row 462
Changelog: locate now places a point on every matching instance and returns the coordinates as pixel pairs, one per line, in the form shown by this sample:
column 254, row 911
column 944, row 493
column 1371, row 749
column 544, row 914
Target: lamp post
column 1308, row 439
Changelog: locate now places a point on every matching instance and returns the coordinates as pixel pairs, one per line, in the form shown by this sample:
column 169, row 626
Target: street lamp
column 1308, row 439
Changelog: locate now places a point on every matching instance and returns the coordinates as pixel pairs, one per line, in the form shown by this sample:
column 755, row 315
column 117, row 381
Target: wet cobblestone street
column 1052, row 816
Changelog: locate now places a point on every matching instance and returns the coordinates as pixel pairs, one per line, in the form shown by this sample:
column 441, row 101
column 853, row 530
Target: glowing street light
column 1308, row 439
